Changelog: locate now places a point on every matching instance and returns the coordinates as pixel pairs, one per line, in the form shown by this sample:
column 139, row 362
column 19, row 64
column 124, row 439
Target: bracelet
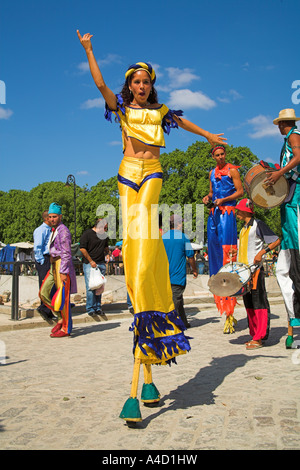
column 267, row 250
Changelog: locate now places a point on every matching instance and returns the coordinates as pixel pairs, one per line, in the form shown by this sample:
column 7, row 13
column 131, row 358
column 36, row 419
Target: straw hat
column 286, row 115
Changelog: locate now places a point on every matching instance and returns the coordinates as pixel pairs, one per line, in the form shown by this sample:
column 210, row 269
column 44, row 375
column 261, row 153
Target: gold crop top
column 144, row 124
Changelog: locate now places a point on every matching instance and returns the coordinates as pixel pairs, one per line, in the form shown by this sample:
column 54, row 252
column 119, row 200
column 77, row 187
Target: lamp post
column 71, row 180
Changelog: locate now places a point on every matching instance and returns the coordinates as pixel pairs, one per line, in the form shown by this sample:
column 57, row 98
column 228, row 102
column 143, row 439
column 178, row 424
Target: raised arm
column 106, row 92
column 213, row 139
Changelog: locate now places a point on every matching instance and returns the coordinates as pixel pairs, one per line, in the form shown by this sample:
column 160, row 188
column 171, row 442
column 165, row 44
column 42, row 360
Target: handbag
column 96, row 279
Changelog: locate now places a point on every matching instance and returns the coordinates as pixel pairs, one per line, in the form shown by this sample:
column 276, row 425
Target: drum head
column 241, row 269
column 268, row 196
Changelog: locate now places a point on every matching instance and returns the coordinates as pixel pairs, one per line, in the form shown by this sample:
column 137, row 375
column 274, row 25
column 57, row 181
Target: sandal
column 254, row 344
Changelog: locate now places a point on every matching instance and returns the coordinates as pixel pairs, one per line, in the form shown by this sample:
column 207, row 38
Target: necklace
column 136, row 104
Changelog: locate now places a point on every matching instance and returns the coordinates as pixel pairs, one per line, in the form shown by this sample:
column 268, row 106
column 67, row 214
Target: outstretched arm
column 106, row 92
column 191, row 127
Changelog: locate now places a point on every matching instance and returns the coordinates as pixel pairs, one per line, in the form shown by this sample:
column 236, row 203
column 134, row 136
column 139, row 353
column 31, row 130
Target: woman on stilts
column 158, row 330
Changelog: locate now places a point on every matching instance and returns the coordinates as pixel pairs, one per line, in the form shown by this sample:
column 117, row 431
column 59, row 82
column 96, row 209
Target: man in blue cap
column 41, row 237
column 61, row 274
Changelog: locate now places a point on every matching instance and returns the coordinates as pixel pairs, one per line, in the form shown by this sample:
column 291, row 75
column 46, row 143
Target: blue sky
column 230, row 65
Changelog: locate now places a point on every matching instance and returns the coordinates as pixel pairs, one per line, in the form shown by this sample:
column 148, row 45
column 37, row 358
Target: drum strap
column 255, row 278
column 269, row 165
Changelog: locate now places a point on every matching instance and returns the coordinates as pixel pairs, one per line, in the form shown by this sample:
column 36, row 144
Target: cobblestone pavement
column 67, row 393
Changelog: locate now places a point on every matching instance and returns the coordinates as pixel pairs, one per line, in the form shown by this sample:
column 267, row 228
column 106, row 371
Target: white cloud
column 115, row 142
column 94, row 103
column 82, row 172
column 188, row 99
column 263, row 127
column 228, row 96
column 5, row 113
column 83, row 67
column 180, row 77
column 246, row 66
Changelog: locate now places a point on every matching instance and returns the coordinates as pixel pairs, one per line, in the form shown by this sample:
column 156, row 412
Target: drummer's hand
column 272, row 177
column 206, row 200
column 258, row 258
column 85, row 40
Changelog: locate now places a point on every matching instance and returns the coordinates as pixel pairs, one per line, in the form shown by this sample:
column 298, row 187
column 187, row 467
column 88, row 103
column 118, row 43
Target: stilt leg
column 229, row 324
column 150, row 394
column 289, row 340
column 131, row 409
column 135, row 378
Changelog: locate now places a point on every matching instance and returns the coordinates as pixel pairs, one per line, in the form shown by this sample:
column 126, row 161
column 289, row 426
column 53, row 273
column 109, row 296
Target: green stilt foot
column 131, row 410
column 150, row 394
column 288, row 342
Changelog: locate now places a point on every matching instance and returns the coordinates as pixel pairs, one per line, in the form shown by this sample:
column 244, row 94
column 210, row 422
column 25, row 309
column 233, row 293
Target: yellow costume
column 158, row 329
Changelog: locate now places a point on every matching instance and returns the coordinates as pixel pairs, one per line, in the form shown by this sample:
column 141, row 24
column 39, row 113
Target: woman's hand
column 214, row 139
column 85, row 41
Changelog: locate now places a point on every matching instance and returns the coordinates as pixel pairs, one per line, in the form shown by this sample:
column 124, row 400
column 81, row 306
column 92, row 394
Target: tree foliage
column 185, row 181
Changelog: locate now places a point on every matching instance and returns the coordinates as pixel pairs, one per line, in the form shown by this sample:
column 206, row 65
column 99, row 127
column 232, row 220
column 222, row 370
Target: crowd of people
column 155, row 267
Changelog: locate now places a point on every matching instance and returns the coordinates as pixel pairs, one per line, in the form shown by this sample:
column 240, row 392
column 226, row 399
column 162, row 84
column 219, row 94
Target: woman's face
column 140, row 86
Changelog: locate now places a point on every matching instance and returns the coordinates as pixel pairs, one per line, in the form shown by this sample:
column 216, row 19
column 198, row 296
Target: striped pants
column 53, row 280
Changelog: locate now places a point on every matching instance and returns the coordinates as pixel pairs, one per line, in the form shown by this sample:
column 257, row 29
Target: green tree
column 186, row 181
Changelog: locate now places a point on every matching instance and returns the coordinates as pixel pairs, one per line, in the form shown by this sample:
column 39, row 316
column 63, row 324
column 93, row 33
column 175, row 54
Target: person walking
column 41, row 237
column 94, row 246
column 61, row 274
column 179, row 249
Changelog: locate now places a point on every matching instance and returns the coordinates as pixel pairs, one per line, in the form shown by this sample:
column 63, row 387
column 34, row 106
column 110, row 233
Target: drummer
column 251, row 252
column 288, row 265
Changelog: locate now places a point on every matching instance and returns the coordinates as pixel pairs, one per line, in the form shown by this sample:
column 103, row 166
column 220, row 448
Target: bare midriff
column 136, row 149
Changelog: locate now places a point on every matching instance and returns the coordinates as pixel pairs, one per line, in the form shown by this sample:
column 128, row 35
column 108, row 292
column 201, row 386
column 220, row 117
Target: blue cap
column 54, row 208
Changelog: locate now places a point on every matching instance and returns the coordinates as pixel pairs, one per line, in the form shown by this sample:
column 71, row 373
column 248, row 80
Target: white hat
column 286, row 115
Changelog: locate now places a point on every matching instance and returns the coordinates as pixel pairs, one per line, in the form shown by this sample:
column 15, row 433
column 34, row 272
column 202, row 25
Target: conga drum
column 262, row 194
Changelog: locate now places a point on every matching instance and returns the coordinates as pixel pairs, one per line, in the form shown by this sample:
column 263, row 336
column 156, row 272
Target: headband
column 141, row 66
column 218, row 147
column 54, row 208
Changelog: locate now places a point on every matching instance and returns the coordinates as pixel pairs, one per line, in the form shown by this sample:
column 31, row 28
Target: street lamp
column 71, row 180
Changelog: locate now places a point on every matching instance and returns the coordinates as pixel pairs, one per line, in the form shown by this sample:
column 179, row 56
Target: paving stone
column 67, row 393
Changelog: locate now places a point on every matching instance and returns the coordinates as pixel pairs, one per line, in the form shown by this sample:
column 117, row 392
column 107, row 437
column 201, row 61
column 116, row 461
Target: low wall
column 115, row 288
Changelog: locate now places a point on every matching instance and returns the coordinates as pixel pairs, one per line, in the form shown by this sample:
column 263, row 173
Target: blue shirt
column 178, row 248
column 41, row 237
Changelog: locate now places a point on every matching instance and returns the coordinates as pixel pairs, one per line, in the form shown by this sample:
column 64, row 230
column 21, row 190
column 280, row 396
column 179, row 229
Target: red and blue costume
column 222, row 230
